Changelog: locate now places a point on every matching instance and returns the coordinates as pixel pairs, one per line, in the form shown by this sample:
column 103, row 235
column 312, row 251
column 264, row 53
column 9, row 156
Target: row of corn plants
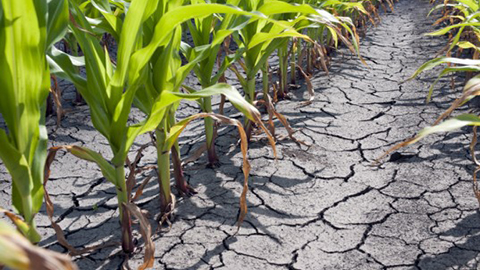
column 148, row 71
column 460, row 24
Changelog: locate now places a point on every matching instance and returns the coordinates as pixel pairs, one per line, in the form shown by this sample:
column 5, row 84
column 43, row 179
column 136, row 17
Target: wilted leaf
column 146, row 231
column 18, row 253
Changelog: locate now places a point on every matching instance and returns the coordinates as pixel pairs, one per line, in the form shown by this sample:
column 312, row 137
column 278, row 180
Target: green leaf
column 57, row 22
column 442, row 60
column 25, row 81
column 174, row 18
column 358, row 6
column 470, row 3
column 261, row 37
column 279, row 7
column 237, row 100
column 448, row 125
column 66, row 66
column 448, row 70
column 17, row 165
column 445, row 30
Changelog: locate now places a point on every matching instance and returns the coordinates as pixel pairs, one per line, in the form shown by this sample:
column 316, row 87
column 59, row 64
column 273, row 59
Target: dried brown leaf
column 474, row 90
column 57, row 94
column 283, row 120
column 133, row 169
column 472, row 146
column 309, row 86
column 394, row 148
column 319, row 51
column 475, row 184
column 146, row 231
column 139, row 191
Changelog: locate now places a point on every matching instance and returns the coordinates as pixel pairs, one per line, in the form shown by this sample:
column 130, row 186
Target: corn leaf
column 231, row 93
column 17, row 253
column 57, row 21
column 442, row 60
column 25, row 81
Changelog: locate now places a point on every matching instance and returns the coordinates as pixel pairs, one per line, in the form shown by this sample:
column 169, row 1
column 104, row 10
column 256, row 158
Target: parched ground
column 317, row 207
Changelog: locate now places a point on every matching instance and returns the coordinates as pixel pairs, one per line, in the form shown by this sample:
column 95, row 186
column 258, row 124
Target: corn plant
column 109, row 102
column 356, row 10
column 167, row 74
column 27, row 29
column 147, row 72
column 201, row 29
column 260, row 39
column 325, row 27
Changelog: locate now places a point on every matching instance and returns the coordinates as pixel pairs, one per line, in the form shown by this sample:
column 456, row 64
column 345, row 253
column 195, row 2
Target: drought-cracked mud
column 316, row 207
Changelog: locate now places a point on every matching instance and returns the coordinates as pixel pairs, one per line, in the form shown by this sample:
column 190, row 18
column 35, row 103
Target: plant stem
column 27, row 208
column 250, row 90
column 163, row 165
column 283, row 61
column 180, row 182
column 265, row 81
column 210, row 133
column 293, row 68
column 309, row 60
column 125, row 219
column 30, row 232
column 300, row 52
column 250, row 97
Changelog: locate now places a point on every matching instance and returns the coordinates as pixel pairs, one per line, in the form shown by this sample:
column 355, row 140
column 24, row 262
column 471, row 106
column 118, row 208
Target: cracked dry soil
column 317, row 207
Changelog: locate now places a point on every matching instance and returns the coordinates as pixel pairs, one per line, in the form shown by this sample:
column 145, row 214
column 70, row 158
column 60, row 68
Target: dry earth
column 317, row 207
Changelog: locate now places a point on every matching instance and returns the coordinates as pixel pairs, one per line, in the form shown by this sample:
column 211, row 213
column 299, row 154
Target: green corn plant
column 27, row 29
column 356, row 10
column 105, row 16
column 167, row 74
column 327, row 33
column 351, row 9
column 319, row 30
column 261, row 39
column 347, row 14
column 283, row 68
column 201, row 30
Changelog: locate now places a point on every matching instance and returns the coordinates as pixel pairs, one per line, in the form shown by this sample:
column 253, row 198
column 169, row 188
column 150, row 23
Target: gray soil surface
column 316, row 207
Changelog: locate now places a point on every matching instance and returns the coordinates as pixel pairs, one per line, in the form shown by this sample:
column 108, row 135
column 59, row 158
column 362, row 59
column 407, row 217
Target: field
column 239, row 135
